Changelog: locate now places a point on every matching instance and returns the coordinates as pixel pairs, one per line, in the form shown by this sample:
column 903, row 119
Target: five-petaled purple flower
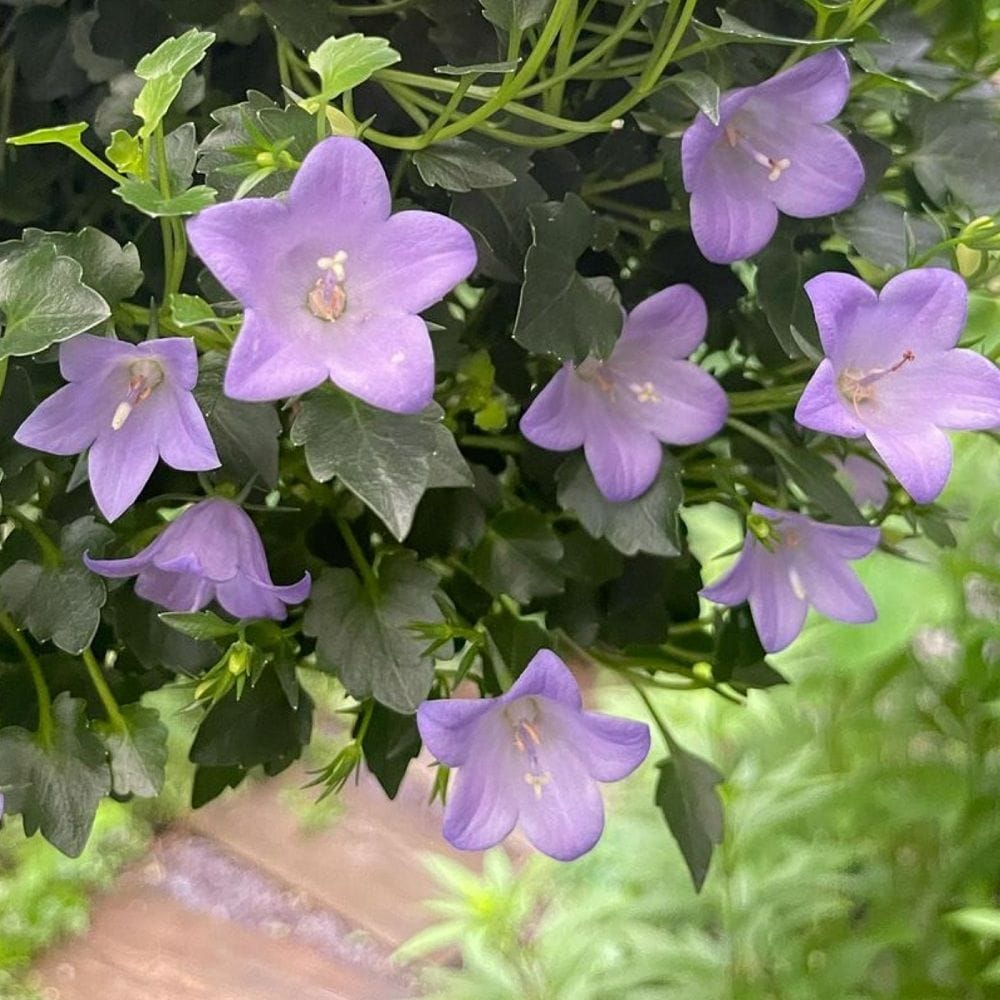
column 770, row 151
column 790, row 561
column 892, row 372
column 211, row 551
column 621, row 408
column 332, row 284
column 130, row 404
column 863, row 479
column 531, row 756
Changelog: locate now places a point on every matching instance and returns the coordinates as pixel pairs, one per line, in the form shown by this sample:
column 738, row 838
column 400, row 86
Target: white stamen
column 537, row 782
column 645, row 392
column 335, row 264
column 798, row 588
column 121, row 415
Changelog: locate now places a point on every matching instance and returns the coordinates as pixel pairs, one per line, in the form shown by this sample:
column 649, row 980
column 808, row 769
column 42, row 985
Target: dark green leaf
column 391, row 742
column 732, row 29
column 686, row 795
column 885, row 233
column 138, row 752
column 815, row 477
column 519, row 555
column 210, row 782
column 43, row 301
column 520, row 14
column 366, row 639
column 515, row 638
column 61, row 784
column 386, row 459
column 740, row 659
column 460, row 165
column 702, row 90
column 647, row 524
column 560, row 312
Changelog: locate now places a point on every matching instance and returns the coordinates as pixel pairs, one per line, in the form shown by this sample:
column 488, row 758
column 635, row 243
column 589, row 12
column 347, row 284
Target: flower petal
column 447, row 726
column 174, row 591
column 66, row 423
column 119, row 569
column 177, row 354
column 121, row 462
column 557, row 418
column 838, row 300
column 245, row 597
column 386, row 360
column 920, row 460
column 183, row 439
column 927, row 306
column 623, row 456
column 546, row 675
column 834, row 589
column 815, row 89
column 733, row 587
column 88, row 358
column 822, row 408
column 410, row 262
column 778, row 612
column 610, row 747
column 269, row 361
column 701, row 136
column 846, row 541
column 672, row 322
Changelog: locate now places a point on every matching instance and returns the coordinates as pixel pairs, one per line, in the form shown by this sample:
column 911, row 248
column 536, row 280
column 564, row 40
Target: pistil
column 859, row 386
column 327, row 299
column 775, row 166
column 144, row 377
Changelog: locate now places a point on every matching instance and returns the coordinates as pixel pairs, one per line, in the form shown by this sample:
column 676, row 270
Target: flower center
column 523, row 717
column 857, row 386
column 144, row 377
column 645, row 392
column 592, row 370
column 775, row 165
column 327, row 299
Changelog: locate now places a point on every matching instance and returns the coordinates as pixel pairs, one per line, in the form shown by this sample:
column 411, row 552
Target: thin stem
column 493, row 442
column 764, row 440
column 762, row 400
column 111, row 707
column 51, row 556
column 45, row 723
column 166, row 229
column 364, row 569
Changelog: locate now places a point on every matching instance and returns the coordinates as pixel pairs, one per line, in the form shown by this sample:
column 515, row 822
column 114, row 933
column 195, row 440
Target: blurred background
column 861, row 857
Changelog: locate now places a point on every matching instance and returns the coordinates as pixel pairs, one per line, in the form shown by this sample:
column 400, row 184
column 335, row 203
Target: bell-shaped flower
column 332, row 283
column 532, row 756
column 892, row 372
column 620, row 408
column 863, row 479
column 790, row 561
column 771, row 151
column 212, row 551
column 130, row 404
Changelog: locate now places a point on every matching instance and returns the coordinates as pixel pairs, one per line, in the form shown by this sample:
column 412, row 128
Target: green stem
column 493, row 442
column 649, row 172
column 764, row 440
column 365, row 721
column 166, row 228
column 568, row 33
column 364, row 569
column 651, row 708
column 45, row 723
column 111, row 707
column 448, row 110
column 51, row 557
column 655, row 70
column 762, row 400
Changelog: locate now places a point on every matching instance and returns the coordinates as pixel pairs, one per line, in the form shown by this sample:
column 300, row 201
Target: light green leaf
column 189, row 310
column 145, row 197
column 125, row 152
column 164, row 70
column 199, row 624
column 63, row 135
column 343, row 63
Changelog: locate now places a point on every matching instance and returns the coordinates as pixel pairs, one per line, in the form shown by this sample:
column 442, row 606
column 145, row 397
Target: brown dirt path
column 237, row 902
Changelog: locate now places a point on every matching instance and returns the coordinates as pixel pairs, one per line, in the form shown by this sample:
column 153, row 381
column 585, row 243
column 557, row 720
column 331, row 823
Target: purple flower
column 130, row 404
column 790, row 561
column 893, row 374
column 332, row 284
column 531, row 756
column 210, row 552
column 770, row 152
column 863, row 479
column 621, row 408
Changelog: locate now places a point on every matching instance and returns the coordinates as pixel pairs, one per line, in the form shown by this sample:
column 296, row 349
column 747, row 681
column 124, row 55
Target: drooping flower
column 892, row 372
column 863, row 479
column 131, row 404
column 770, row 152
column 532, row 756
column 210, row 552
column 790, row 561
column 620, row 408
column 333, row 284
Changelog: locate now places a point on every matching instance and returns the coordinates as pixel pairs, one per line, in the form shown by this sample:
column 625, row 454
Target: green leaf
column 560, row 312
column 305, row 23
column 979, row 920
column 885, row 233
column 686, row 795
column 138, row 752
column 63, row 783
column 740, row 659
column 343, row 63
column 125, row 152
column 189, row 310
column 62, row 135
column 43, row 301
column 732, row 29
column 390, row 743
column 815, row 477
column 366, row 639
column 148, row 199
column 164, row 70
column 702, row 90
column 210, row 782
column 477, row 69
column 199, row 624
column 245, row 434
column 61, row 603
column 519, row 555
column 460, row 165
column 386, row 459
column 510, row 14
column 647, row 524
column 515, row 638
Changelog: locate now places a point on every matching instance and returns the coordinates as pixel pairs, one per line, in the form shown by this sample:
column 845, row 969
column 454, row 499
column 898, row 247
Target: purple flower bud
column 893, row 374
column 790, row 561
column 331, row 283
column 863, row 479
column 210, row 552
column 621, row 408
column 770, row 151
column 130, row 404
column 531, row 756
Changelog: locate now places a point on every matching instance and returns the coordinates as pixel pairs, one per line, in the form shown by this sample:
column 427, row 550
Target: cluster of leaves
column 444, row 547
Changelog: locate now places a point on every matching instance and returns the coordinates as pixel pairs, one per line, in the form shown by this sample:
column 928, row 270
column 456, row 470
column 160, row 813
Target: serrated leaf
column 199, row 624
column 686, row 795
column 386, row 459
column 519, row 555
column 560, row 312
column 345, row 62
column 732, row 29
column 460, row 165
column 60, row 784
column 150, row 201
column 164, row 70
column 365, row 638
column 649, row 523
column 125, row 152
column 43, row 301
column 138, row 752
